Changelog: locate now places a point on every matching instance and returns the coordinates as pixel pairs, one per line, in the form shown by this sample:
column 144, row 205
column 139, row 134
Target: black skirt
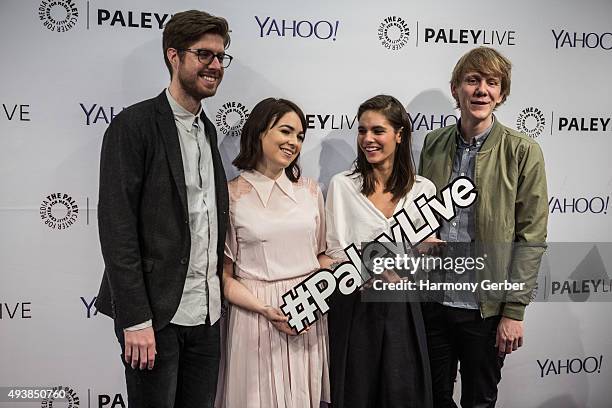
column 378, row 354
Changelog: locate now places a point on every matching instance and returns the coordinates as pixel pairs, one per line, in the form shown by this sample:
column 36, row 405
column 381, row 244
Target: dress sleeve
column 321, row 243
column 231, row 244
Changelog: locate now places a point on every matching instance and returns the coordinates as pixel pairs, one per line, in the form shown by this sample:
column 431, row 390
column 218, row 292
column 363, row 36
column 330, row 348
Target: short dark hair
column 186, row 27
column 403, row 173
column 264, row 116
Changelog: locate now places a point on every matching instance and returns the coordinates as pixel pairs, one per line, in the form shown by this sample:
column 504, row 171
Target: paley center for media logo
column 393, row 33
column 589, row 280
column 231, row 117
column 531, row 121
column 584, row 124
column 97, row 398
column 294, row 28
column 59, row 211
column 58, row 15
column 330, row 121
column 122, row 18
column 62, row 396
column 468, row 35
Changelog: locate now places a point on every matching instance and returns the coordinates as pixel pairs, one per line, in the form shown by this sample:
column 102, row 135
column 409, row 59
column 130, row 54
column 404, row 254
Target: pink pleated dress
column 276, row 229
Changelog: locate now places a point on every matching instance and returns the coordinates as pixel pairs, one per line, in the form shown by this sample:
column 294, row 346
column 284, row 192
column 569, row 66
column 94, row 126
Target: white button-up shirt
column 202, row 291
column 352, row 219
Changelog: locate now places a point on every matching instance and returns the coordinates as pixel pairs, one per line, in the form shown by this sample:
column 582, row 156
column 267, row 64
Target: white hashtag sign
column 310, row 296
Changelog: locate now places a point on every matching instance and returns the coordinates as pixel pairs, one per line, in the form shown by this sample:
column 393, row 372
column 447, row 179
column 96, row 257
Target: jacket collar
column 490, row 142
column 264, row 185
column 493, row 138
column 169, row 133
column 478, row 139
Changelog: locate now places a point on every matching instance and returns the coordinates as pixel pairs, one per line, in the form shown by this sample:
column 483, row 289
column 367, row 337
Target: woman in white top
column 275, row 232
column 378, row 351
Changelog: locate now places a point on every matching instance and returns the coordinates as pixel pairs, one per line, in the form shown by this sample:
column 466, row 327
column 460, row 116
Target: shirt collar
column 479, row 139
column 264, row 185
column 182, row 115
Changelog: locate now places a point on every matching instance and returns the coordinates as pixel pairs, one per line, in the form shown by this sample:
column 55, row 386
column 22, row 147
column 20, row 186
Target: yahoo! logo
column 321, row 29
column 568, row 39
column 90, row 308
column 95, row 113
column 429, row 121
column 587, row 365
column 579, row 205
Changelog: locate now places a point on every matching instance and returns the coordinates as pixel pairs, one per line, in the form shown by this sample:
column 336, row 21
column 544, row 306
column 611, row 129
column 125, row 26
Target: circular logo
column 58, row 396
column 393, row 33
column 59, row 211
column 231, row 117
column 58, row 15
column 531, row 121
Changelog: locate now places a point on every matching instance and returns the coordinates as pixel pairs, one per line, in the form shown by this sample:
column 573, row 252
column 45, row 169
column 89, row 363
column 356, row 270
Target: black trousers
column 462, row 335
column 185, row 371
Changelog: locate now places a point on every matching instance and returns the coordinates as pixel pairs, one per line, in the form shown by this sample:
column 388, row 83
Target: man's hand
column 430, row 246
column 509, row 335
column 389, row 275
column 140, row 348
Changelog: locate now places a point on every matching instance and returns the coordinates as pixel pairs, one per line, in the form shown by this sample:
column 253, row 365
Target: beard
column 189, row 84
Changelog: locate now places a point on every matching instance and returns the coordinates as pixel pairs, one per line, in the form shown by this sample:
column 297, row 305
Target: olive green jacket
column 511, row 207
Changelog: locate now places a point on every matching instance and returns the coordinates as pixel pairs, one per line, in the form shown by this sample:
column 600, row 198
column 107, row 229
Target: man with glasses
column 162, row 218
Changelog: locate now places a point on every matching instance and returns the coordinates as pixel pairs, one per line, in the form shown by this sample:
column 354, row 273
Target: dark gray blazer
column 142, row 214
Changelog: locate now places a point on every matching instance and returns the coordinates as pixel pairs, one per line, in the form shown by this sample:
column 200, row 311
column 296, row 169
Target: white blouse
column 352, row 219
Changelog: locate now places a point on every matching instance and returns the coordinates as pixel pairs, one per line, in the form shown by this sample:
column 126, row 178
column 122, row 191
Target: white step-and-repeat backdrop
column 69, row 66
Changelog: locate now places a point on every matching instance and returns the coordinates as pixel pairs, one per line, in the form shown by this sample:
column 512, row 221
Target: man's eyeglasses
column 206, row 56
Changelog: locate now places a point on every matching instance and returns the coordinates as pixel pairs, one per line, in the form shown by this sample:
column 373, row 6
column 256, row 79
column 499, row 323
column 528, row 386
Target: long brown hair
column 403, row 173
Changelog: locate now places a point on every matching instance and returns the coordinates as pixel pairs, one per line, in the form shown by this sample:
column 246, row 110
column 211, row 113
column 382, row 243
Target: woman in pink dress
column 276, row 232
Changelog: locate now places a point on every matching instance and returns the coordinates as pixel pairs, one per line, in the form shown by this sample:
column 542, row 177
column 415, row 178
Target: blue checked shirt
column 461, row 228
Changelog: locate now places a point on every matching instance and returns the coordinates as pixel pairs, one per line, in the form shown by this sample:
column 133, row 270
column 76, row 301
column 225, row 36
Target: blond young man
column 509, row 216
